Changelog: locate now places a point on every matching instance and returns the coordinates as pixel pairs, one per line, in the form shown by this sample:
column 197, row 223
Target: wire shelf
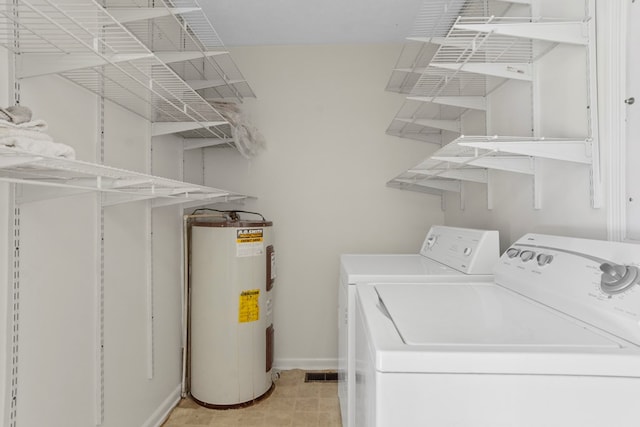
column 477, row 55
column 468, row 158
column 84, row 43
column 433, row 21
column 119, row 185
column 43, row 26
column 413, row 59
column 498, row 47
column 462, row 45
column 188, row 31
column 435, row 82
column 433, row 120
column 422, row 184
column 437, row 16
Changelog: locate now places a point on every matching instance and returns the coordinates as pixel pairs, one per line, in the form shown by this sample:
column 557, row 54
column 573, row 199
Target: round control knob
column 431, row 240
column 544, row 259
column 513, row 252
column 527, row 255
column 467, row 251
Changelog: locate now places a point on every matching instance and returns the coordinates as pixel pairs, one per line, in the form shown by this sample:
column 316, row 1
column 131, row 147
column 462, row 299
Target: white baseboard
column 161, row 414
column 306, row 364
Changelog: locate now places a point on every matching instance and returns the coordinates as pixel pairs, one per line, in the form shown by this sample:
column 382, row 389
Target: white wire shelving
column 479, row 53
column 141, row 58
column 470, row 158
column 502, row 47
column 51, row 177
column 427, row 122
column 433, row 22
column 183, row 28
column 86, row 43
column 432, row 26
column 474, row 47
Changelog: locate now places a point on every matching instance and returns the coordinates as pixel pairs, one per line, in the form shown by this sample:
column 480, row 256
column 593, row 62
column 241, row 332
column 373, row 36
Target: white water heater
column 232, row 272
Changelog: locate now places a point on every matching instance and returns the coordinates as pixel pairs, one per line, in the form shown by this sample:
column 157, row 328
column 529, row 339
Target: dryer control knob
column 467, row 251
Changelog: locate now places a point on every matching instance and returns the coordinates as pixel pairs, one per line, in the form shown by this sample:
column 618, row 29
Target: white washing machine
column 553, row 341
column 447, row 254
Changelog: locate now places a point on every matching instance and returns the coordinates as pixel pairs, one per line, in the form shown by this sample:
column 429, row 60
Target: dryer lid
column 363, row 268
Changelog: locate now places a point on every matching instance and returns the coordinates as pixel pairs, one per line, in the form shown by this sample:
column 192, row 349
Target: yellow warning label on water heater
column 249, row 242
column 249, row 310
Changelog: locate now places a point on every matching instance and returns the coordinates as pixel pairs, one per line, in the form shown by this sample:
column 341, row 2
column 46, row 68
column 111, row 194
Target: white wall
column 58, row 275
column 323, row 112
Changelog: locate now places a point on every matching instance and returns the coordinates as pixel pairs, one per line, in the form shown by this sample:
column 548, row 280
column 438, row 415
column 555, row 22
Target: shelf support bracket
column 555, row 32
column 514, row 71
column 577, row 151
column 507, row 163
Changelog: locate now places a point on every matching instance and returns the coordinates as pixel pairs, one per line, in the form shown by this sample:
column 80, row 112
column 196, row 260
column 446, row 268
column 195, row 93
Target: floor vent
column 313, row 377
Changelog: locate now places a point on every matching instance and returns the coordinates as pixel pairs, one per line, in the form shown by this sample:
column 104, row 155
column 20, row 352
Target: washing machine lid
column 482, row 328
column 483, row 315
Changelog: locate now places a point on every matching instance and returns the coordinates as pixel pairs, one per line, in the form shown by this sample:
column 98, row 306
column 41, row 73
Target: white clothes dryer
column 553, row 341
column 447, row 254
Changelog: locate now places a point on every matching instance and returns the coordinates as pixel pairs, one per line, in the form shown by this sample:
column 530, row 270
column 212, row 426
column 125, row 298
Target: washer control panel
column 595, row 281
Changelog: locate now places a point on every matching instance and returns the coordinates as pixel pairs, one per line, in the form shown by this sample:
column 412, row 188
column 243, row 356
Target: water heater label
column 249, row 242
column 249, row 310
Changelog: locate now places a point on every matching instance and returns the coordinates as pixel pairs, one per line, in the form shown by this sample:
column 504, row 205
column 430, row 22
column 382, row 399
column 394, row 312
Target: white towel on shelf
column 24, row 133
column 17, row 130
column 37, row 125
column 31, row 138
column 39, row 146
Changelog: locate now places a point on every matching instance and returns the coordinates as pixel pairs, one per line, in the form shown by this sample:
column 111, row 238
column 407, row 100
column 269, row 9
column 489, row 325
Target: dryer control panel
column 467, row 250
column 595, row 281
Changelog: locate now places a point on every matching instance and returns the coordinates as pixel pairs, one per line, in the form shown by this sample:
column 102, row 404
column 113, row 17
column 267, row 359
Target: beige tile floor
column 293, row 403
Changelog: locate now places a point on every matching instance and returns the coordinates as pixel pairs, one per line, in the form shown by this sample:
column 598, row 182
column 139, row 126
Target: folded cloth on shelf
column 17, row 132
column 39, row 125
column 16, row 114
column 39, row 146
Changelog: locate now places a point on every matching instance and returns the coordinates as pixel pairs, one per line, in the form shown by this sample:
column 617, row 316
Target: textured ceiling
column 291, row 22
